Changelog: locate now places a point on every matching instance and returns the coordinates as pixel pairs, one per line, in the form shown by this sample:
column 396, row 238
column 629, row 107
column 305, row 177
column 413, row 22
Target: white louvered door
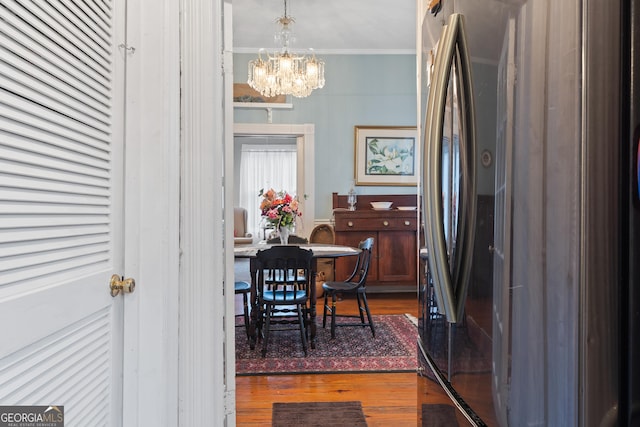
column 61, row 192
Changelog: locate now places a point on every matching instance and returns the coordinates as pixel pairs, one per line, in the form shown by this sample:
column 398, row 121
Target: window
column 264, row 166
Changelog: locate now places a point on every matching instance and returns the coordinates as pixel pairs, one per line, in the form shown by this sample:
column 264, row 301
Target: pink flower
column 279, row 208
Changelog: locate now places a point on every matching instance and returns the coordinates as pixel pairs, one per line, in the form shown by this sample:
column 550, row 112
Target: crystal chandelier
column 285, row 72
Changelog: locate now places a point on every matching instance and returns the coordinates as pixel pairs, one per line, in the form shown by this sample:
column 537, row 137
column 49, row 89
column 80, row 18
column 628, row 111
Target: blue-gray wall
column 485, row 92
column 369, row 90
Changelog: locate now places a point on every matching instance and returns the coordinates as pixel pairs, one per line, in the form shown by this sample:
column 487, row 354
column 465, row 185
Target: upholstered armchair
column 240, row 235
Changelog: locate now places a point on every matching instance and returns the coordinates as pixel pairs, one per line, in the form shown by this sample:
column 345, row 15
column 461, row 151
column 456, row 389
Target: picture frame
column 386, row 155
column 242, row 92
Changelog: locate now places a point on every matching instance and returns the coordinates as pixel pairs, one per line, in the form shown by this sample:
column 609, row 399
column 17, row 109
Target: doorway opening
column 305, row 167
column 266, row 162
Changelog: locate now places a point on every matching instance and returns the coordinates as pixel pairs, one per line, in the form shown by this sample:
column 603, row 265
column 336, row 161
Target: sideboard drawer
column 375, row 224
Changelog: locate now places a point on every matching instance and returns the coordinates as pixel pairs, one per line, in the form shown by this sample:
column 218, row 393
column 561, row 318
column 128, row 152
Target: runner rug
column 318, row 414
column 394, row 349
column 439, row 415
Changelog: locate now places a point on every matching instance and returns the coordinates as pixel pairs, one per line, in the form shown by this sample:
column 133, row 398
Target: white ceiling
column 365, row 26
column 328, row 26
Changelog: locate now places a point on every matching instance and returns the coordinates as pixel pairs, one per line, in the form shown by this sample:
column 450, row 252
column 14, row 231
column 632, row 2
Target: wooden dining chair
column 324, row 233
column 293, row 240
column 355, row 284
column 285, row 278
column 243, row 288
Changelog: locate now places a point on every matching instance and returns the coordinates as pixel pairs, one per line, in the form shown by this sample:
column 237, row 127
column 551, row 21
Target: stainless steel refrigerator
column 529, row 120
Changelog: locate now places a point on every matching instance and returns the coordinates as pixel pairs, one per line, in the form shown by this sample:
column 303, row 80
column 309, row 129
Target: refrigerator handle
column 450, row 291
column 468, row 150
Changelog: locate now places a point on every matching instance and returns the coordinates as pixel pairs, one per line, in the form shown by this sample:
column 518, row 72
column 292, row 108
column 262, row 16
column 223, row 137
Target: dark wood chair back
column 294, row 239
column 286, row 280
column 361, row 269
column 284, row 274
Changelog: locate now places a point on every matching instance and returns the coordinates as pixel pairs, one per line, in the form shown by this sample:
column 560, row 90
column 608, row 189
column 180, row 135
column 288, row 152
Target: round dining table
column 320, row 250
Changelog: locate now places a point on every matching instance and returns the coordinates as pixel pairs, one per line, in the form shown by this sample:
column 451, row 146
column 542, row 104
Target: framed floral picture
column 386, row 155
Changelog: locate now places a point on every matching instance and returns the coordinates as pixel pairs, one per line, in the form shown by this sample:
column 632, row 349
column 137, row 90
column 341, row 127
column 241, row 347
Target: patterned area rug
column 318, row 414
column 394, row 349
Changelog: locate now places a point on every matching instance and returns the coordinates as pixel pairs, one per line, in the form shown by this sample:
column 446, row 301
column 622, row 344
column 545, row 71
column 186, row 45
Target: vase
column 284, row 232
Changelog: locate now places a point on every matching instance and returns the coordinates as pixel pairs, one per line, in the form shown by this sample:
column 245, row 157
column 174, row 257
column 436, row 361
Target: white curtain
column 264, row 166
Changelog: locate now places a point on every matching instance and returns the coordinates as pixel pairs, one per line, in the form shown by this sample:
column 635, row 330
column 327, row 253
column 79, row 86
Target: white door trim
column 229, row 400
column 202, row 346
column 306, row 149
column 152, row 197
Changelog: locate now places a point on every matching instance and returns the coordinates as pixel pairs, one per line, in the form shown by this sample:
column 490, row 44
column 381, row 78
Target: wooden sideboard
column 394, row 260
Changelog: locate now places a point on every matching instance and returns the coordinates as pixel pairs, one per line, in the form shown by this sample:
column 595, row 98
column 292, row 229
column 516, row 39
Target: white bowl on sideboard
column 381, row 205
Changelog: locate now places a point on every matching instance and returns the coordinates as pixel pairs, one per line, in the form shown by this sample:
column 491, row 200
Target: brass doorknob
column 119, row 284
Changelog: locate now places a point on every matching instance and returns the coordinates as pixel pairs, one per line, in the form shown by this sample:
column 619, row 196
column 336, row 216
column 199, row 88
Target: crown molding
column 320, row 52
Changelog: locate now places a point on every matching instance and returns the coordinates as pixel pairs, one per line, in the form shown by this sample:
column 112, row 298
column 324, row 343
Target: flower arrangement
column 279, row 208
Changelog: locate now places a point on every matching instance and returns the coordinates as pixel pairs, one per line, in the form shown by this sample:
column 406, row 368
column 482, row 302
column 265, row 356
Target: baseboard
column 375, row 289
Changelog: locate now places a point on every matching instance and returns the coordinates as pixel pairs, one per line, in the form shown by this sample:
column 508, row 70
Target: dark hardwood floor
column 387, row 399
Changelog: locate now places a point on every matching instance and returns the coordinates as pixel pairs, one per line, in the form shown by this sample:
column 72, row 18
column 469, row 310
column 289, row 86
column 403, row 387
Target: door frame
column 152, row 216
column 305, row 143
